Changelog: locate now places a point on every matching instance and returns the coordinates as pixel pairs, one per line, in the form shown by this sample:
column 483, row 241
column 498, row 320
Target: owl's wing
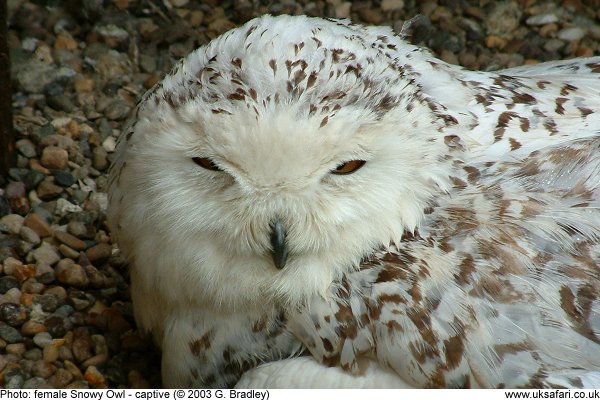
column 500, row 286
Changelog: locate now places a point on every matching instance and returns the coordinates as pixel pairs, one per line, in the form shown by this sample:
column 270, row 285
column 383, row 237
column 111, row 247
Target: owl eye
column 206, row 163
column 348, row 167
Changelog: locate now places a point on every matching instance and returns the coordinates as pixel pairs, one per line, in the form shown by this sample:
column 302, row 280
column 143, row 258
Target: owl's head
column 273, row 160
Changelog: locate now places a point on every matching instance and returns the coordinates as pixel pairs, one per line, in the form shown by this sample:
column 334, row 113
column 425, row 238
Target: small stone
column 32, row 287
column 57, row 326
column 69, row 273
column 38, row 224
column 101, row 251
column 65, row 207
column 33, row 354
column 63, row 178
column 32, row 328
column 12, row 222
column 82, row 345
column 16, row 195
column 196, row 18
column 13, row 295
column 68, row 252
column 70, row 240
column 36, row 383
column 7, row 283
column 54, row 157
column 97, row 280
column 45, row 254
column 94, row 377
column 542, row 19
column 32, row 178
column 14, row 380
column 59, row 292
column 99, row 159
column 9, row 334
column 64, row 353
column 117, row 110
column 553, row 45
column 60, row 102
column 109, row 144
column 44, row 273
column 43, row 369
column 112, row 34
column 391, row 5
column 73, row 369
column 29, row 235
column 503, row 18
column 48, row 302
column 77, row 228
column 65, row 41
column 493, row 41
column 61, row 378
column 13, row 314
column 16, row 349
column 23, row 272
column 48, row 190
column 50, row 353
column 42, row 339
column 10, row 265
column 84, row 85
column 548, row 30
column 97, row 360
column 571, row 34
column 26, row 148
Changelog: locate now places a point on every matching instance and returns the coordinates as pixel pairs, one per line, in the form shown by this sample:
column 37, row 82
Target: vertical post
column 7, row 139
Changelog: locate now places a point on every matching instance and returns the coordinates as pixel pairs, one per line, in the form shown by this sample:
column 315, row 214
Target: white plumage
column 308, row 186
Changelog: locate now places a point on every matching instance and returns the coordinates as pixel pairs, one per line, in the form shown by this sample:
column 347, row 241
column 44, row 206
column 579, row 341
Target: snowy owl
column 308, row 202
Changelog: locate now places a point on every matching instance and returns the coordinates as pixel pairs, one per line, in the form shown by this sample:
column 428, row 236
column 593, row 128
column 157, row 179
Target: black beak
column 279, row 251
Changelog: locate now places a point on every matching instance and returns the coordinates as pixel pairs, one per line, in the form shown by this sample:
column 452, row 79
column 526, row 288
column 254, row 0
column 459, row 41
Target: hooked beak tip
column 279, row 251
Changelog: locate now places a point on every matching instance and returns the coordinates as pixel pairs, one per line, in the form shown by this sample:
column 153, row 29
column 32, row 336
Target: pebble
column 9, row 334
column 42, row 339
column 13, row 314
column 37, row 224
column 32, row 328
column 29, row 235
column 70, row 240
column 99, row 252
column 26, row 148
column 7, row 283
column 571, row 34
column 63, row 178
column 72, row 274
column 47, row 190
column 12, row 223
column 542, row 19
column 43, row 369
column 46, row 254
column 94, row 377
column 68, row 252
column 391, row 5
column 54, row 157
column 99, row 159
column 61, row 378
column 16, row 195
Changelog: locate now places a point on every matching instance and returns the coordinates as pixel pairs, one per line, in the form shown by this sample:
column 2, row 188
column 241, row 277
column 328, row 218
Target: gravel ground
column 78, row 69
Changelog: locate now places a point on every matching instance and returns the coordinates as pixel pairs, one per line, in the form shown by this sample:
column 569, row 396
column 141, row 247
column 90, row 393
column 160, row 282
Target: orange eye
column 206, row 163
column 348, row 167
